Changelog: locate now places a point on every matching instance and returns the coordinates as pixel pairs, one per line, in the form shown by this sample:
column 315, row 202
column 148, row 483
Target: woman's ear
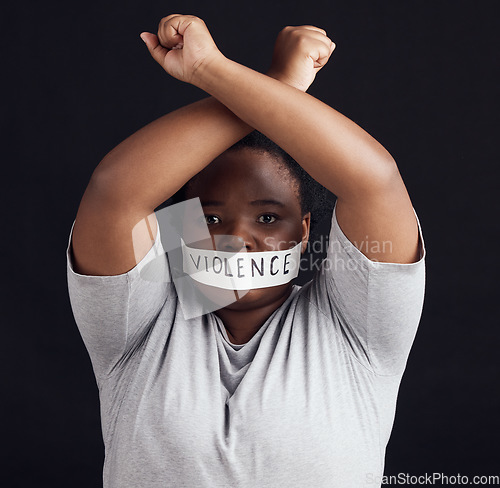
column 306, row 226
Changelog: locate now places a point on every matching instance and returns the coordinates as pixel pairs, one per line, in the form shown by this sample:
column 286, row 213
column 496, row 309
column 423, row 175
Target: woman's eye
column 267, row 219
column 211, row 219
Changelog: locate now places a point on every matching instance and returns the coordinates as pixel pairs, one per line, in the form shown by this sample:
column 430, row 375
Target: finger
column 166, row 20
column 323, row 54
column 313, row 28
column 171, row 16
column 314, row 34
column 310, row 37
column 157, row 51
column 307, row 27
column 168, row 33
column 322, row 60
column 319, row 43
column 324, row 40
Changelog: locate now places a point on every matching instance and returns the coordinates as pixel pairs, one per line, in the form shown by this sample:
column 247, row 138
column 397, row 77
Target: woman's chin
column 223, row 297
column 241, row 299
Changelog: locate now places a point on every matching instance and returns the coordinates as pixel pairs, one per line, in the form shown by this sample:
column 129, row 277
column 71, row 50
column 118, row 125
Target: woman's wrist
column 207, row 70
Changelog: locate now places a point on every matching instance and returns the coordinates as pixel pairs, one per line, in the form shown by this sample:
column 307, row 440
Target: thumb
column 157, row 51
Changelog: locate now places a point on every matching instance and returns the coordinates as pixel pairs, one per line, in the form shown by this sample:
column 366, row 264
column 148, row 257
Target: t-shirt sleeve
column 375, row 306
column 113, row 312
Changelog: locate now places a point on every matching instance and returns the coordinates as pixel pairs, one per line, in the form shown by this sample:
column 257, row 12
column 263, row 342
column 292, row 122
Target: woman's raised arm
column 373, row 204
column 153, row 163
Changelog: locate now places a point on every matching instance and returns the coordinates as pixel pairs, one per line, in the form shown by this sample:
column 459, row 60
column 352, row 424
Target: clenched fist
column 299, row 53
column 182, row 45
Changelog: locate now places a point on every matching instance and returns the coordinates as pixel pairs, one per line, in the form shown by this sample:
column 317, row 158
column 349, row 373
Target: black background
column 421, row 77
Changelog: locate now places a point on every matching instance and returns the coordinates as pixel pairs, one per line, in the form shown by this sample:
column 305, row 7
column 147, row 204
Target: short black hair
column 313, row 196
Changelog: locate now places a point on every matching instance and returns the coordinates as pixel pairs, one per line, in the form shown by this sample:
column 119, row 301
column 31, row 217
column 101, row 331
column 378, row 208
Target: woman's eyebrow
column 211, row 203
column 267, row 202
column 255, row 203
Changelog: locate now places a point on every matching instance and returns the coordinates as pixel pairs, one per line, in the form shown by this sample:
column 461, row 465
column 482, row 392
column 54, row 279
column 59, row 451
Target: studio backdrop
column 421, row 77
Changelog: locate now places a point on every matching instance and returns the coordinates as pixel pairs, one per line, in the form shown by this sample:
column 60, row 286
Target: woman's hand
column 182, row 45
column 299, row 53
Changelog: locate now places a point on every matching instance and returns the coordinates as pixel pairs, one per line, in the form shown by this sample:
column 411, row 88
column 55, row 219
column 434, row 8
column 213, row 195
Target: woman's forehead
column 246, row 173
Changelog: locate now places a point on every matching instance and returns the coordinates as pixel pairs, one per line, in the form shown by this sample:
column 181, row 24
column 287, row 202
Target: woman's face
column 249, row 200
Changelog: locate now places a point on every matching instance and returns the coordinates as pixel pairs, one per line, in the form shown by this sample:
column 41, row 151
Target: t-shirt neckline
column 264, row 326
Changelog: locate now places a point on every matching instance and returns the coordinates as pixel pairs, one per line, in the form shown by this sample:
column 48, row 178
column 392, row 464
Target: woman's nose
column 236, row 237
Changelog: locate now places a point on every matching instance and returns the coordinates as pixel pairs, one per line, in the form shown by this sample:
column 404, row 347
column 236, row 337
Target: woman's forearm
column 153, row 163
column 332, row 148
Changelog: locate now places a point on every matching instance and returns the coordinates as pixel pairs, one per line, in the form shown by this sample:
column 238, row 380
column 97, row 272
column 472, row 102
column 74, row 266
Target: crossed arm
column 153, row 163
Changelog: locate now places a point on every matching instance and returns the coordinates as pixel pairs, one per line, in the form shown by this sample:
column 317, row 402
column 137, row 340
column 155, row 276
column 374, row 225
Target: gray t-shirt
column 308, row 401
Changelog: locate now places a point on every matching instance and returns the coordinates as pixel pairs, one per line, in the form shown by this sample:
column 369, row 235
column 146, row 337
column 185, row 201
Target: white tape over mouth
column 241, row 270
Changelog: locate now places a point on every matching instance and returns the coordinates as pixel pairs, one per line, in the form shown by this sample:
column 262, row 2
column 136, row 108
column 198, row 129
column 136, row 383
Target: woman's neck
column 242, row 324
